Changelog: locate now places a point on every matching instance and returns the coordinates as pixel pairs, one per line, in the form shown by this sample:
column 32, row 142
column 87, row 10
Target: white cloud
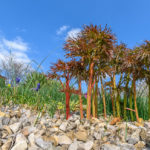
column 17, row 47
column 16, row 44
column 62, row 29
column 73, row 33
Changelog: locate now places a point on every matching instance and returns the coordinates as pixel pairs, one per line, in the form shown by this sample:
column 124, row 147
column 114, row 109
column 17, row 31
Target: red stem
column 67, row 93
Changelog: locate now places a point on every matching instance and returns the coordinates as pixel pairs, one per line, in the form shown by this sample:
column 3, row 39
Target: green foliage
column 2, row 82
column 48, row 98
column 34, row 78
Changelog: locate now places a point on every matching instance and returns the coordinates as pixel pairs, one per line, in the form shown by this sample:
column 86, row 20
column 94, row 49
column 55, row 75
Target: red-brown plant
column 59, row 71
column 93, row 44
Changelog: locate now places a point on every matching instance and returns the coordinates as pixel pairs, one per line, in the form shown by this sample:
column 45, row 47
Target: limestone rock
column 22, row 145
column 63, row 139
column 63, row 126
column 86, row 146
column 20, row 137
column 7, row 145
column 15, row 127
column 42, row 144
column 140, row 145
column 81, row 135
column 73, row 146
column 110, row 147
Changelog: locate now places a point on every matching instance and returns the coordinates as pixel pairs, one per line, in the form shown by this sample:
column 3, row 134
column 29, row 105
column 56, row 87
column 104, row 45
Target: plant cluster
column 95, row 55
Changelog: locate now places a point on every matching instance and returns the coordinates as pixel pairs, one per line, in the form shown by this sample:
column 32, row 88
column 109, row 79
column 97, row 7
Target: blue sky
column 34, row 29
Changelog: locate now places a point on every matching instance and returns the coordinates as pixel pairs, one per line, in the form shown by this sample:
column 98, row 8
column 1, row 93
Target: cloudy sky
column 34, row 29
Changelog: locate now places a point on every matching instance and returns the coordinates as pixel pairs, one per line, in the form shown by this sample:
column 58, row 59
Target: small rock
column 64, row 147
column 77, row 122
column 44, row 145
column 15, row 127
column 5, row 120
column 134, row 138
column 86, row 146
column 62, row 116
column 31, row 139
column 54, row 129
column 33, row 148
column 7, row 144
column 27, row 130
column 140, row 145
column 27, row 113
column 110, row 147
column 71, row 135
column 147, row 141
column 63, row 139
column 22, row 145
column 20, row 137
column 126, row 146
column 87, row 125
column 58, row 123
column 81, row 135
column 7, row 128
column 13, row 120
column 147, row 125
column 63, row 126
column 97, row 135
column 2, row 114
column 71, row 127
column 73, row 146
column 52, row 139
column 143, row 134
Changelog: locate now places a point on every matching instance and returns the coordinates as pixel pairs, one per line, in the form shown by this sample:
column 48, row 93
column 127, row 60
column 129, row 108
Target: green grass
column 50, row 98
column 142, row 104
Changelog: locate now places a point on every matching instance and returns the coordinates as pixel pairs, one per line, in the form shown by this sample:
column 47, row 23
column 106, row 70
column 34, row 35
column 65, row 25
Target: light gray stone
column 73, row 146
column 126, row 146
column 20, row 137
column 97, row 135
column 42, row 144
column 147, row 125
column 110, row 147
column 31, row 139
column 58, row 123
column 86, row 146
column 63, row 139
column 5, row 120
column 13, row 120
column 134, row 138
column 63, row 126
column 22, row 145
column 15, row 127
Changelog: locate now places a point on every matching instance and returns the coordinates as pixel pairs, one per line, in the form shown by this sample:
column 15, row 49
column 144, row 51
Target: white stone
column 97, row 135
column 44, row 145
column 63, row 126
column 31, row 139
column 77, row 122
column 20, row 137
column 22, row 145
column 33, row 148
column 86, row 146
column 134, row 138
column 110, row 147
column 15, row 127
column 64, row 140
column 73, row 146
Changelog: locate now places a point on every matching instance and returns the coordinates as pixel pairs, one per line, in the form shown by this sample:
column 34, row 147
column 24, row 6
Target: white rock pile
column 20, row 130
